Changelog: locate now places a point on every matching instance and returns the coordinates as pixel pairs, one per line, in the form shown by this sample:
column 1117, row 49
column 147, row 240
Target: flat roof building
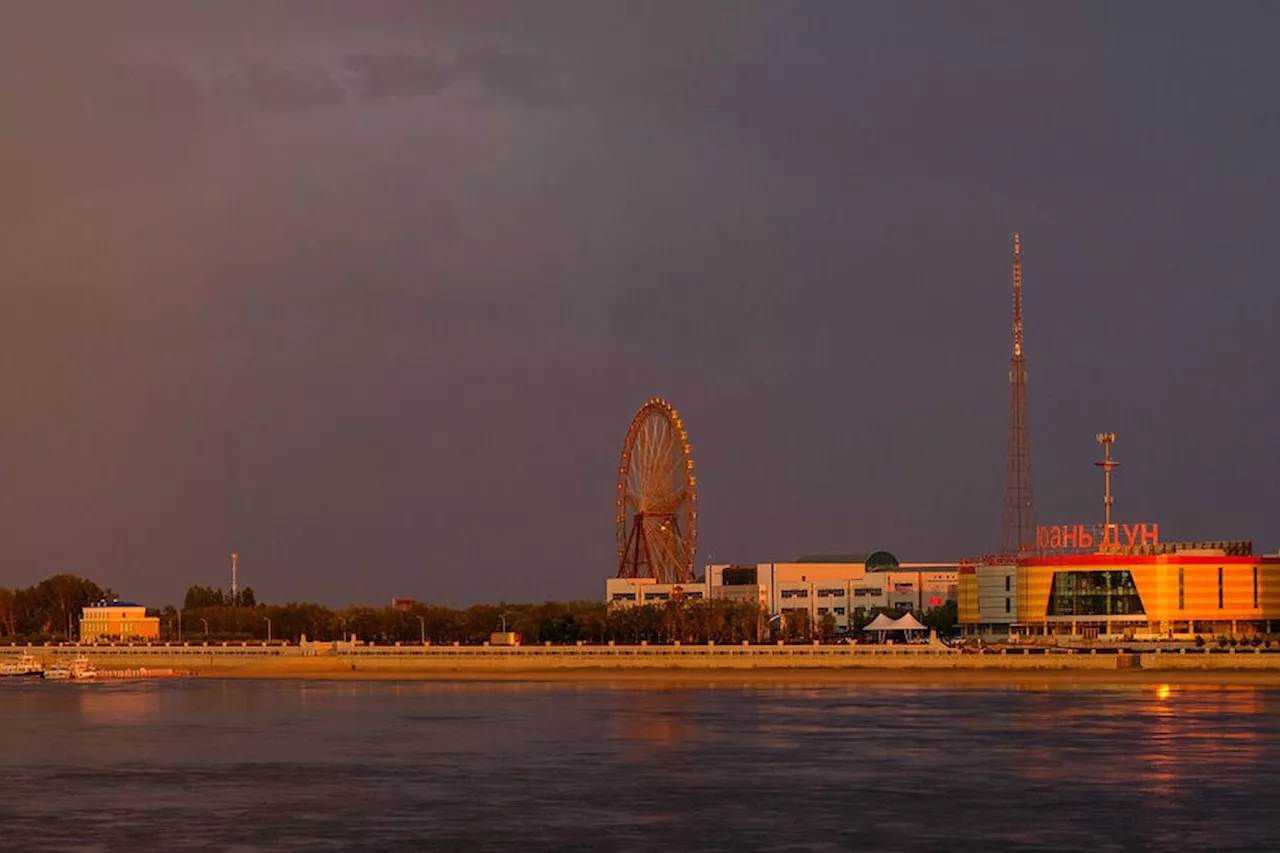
column 117, row 620
column 1142, row 589
column 841, row 589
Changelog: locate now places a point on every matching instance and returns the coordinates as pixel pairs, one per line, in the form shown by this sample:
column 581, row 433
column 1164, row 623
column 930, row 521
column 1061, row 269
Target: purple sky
column 369, row 292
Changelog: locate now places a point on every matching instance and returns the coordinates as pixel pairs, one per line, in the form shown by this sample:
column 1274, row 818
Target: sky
column 369, row 292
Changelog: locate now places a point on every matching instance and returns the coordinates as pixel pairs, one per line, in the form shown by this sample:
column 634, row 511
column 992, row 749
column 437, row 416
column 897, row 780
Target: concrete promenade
column 325, row 660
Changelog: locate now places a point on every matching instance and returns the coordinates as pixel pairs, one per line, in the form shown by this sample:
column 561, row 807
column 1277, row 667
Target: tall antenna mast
column 1106, row 439
column 235, row 590
column 1019, row 505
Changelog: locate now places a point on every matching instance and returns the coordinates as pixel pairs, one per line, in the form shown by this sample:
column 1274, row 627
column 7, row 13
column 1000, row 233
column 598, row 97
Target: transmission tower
column 1019, row 503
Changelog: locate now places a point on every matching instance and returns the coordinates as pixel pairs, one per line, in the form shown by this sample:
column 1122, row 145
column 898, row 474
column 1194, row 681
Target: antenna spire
column 1106, row 439
column 1019, row 505
column 1017, row 297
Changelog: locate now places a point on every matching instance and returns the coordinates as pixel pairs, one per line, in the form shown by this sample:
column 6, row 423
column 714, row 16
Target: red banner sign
column 1090, row 537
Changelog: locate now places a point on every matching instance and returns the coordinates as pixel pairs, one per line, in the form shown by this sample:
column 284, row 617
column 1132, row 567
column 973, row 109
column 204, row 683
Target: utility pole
column 1106, row 439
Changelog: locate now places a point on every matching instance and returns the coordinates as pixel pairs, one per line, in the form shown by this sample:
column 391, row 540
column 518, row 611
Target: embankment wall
column 319, row 660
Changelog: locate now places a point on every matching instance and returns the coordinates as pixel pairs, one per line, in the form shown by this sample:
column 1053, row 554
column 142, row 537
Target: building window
column 1219, row 587
column 1007, row 605
column 1008, row 584
column 1182, row 588
column 839, row 611
column 1094, row 593
column 1255, row 586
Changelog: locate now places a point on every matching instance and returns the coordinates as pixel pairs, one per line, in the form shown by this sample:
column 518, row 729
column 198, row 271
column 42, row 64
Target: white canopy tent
column 909, row 622
column 882, row 624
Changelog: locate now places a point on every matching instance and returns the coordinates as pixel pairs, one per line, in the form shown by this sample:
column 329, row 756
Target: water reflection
column 657, row 718
column 210, row 765
column 122, row 706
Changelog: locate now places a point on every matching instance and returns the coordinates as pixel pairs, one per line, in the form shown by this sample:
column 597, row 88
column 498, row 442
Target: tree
column 204, row 596
column 796, row 624
column 942, row 618
column 826, row 626
column 8, row 613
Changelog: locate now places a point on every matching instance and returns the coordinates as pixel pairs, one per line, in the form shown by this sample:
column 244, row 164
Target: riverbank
column 757, row 677
column 675, row 665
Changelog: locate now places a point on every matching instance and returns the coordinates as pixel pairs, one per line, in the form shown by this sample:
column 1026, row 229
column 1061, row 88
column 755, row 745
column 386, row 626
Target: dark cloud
column 520, row 76
column 395, row 74
column 330, row 286
column 276, row 88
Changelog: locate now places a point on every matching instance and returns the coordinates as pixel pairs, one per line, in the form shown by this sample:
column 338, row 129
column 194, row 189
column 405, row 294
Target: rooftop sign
column 1075, row 538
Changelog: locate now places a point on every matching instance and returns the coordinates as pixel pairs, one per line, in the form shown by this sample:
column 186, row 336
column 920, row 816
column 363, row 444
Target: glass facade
column 1104, row 593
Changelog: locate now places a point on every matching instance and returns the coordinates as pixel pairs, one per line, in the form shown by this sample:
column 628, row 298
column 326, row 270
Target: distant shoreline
column 769, row 677
column 677, row 666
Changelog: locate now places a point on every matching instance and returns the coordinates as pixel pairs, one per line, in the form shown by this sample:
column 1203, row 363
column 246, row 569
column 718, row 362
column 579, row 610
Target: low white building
column 842, row 590
column 623, row 592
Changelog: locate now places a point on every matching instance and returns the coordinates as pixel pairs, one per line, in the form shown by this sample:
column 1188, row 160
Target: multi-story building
column 623, row 592
column 843, row 589
column 117, row 620
column 1143, row 589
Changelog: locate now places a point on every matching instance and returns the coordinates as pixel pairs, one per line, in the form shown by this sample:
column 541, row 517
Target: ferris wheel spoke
column 670, row 547
column 659, row 549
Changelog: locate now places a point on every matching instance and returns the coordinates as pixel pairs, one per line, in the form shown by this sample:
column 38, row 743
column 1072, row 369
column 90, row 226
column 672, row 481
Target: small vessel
column 82, row 670
column 24, row 665
column 57, row 672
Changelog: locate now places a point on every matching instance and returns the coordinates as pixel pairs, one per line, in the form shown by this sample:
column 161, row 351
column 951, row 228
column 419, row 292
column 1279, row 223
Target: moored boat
column 21, row 666
column 82, row 669
column 57, row 672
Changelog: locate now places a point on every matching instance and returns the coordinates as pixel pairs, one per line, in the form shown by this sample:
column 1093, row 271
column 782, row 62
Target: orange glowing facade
column 118, row 620
column 1164, row 591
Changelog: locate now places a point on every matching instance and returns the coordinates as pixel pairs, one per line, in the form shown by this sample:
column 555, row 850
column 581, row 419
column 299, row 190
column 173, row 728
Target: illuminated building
column 841, row 589
column 118, row 620
column 1130, row 585
column 622, row 592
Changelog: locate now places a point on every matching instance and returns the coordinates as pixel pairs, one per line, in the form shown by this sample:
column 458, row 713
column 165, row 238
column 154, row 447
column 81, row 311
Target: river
column 266, row 766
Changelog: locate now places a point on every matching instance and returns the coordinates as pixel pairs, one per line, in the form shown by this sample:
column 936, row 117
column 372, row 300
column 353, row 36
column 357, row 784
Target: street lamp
column 422, row 623
column 268, row 618
column 206, row 625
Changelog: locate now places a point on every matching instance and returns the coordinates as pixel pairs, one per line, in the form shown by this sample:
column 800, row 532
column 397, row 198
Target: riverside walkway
column 279, row 660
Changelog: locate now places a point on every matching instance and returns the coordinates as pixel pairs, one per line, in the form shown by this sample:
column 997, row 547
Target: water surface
column 260, row 765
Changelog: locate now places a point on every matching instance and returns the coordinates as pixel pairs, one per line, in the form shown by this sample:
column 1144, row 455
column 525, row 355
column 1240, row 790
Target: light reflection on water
column 229, row 765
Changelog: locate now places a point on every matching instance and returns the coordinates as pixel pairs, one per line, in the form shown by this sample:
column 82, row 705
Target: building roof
column 112, row 604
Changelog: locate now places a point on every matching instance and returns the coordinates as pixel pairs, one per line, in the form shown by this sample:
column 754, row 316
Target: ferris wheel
column 657, row 506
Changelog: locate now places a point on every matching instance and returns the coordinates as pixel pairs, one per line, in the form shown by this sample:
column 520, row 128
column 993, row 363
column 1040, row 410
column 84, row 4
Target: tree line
column 50, row 611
